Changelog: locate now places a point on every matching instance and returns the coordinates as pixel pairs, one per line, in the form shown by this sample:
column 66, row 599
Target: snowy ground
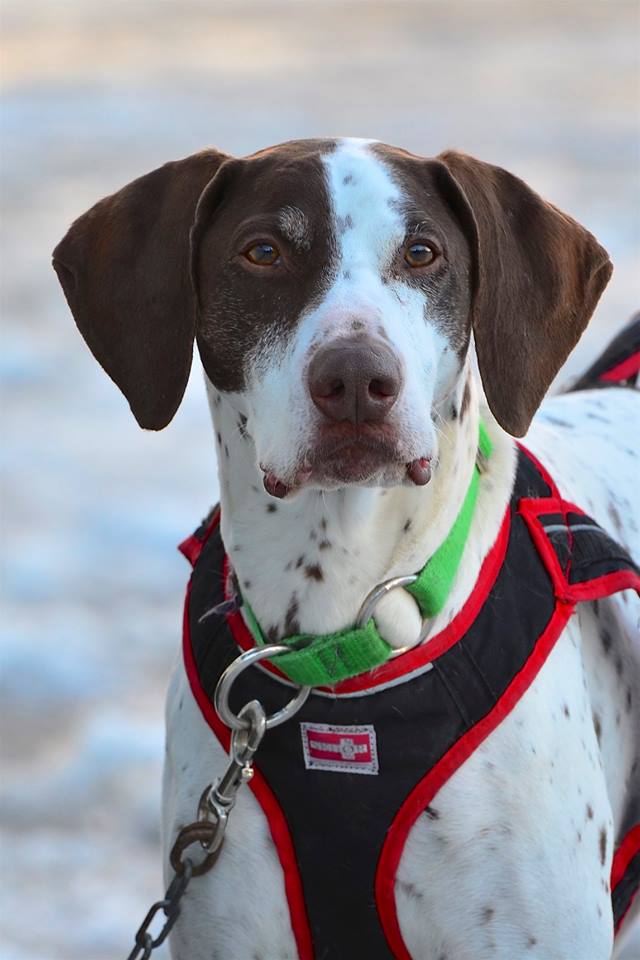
column 94, row 94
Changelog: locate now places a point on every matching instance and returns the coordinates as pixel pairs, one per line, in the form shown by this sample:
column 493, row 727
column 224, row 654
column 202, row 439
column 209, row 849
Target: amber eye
column 262, row 254
column 419, row 255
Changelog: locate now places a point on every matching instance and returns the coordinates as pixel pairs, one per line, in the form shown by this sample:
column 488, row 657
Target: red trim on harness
column 605, row 585
column 191, row 548
column 423, row 793
column 623, row 856
column 530, row 509
column 623, row 370
column 264, row 796
column 413, row 659
column 594, row 589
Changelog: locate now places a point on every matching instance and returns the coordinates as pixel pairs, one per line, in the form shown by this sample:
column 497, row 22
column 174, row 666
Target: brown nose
column 356, row 379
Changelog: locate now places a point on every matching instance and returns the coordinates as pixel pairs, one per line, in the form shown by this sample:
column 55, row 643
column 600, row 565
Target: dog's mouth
column 355, row 457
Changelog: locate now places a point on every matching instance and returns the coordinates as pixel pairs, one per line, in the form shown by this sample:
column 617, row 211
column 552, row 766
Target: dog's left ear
column 537, row 276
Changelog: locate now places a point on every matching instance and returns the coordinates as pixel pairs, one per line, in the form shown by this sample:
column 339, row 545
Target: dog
column 332, row 287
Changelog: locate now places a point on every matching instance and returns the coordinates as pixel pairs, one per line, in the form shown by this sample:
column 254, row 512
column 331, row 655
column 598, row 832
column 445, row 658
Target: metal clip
column 218, row 798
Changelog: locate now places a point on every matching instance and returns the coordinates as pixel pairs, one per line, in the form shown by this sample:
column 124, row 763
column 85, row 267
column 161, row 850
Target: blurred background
column 94, row 94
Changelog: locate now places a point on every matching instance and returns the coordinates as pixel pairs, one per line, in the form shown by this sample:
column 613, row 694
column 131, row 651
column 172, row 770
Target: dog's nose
column 357, row 379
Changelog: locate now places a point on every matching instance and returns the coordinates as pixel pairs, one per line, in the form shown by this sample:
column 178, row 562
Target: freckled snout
column 357, row 379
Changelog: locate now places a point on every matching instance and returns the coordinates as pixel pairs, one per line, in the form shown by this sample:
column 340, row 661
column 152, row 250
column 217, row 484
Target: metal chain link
column 145, row 942
column 216, row 802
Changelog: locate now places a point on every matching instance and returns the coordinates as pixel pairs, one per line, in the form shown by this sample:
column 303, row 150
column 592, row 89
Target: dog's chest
column 414, row 729
column 469, row 883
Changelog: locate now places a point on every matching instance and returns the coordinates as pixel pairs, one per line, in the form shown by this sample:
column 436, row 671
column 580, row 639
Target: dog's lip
column 359, row 458
column 348, row 456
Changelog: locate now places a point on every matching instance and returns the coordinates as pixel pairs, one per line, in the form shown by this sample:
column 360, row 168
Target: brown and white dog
column 332, row 287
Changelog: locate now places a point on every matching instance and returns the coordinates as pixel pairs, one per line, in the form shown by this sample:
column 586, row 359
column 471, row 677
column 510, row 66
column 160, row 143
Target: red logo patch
column 341, row 749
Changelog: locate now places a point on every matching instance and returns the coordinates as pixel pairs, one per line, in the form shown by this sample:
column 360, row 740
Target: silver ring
column 247, row 659
column 379, row 591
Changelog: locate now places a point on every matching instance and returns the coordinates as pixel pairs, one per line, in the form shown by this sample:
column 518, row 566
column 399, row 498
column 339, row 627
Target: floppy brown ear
column 124, row 267
column 537, row 278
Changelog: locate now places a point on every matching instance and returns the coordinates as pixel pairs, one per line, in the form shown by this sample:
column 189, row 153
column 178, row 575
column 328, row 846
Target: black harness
column 349, row 775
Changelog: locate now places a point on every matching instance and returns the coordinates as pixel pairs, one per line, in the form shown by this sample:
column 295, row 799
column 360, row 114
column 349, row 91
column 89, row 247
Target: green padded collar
column 327, row 659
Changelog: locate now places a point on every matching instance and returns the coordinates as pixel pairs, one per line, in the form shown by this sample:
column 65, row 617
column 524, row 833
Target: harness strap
column 327, row 659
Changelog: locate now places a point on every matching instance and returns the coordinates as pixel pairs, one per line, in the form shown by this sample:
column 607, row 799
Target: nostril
column 382, row 389
column 329, row 390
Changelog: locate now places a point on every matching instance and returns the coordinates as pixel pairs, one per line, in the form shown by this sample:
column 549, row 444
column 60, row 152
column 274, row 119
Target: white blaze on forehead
column 365, row 201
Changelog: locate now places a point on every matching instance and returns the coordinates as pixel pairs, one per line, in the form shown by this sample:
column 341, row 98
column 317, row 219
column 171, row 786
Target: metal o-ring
column 379, row 591
column 247, row 659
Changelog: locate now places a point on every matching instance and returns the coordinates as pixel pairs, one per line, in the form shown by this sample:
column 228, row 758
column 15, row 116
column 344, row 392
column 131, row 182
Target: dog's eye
column 419, row 255
column 263, row 254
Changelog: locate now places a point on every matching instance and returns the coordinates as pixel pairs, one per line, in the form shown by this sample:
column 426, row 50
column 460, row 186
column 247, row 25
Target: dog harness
column 362, row 760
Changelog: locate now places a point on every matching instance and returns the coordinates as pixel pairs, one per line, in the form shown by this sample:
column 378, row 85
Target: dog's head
column 332, row 287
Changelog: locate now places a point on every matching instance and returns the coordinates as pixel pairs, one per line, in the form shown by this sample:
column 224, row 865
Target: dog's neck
column 306, row 563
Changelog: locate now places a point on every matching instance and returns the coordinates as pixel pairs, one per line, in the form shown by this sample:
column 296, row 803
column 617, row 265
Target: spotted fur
column 512, row 859
column 485, row 872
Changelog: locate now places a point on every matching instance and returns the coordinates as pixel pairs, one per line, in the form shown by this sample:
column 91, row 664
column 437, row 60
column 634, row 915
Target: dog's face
column 332, row 287
column 334, row 293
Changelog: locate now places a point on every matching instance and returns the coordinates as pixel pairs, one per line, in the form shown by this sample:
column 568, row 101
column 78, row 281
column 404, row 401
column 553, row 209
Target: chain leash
column 207, row 832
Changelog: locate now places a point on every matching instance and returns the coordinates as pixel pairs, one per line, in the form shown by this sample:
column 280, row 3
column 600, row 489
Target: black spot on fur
column 589, row 812
column 597, row 726
column 226, row 450
column 345, row 223
column 565, row 710
column 615, row 517
column 324, row 545
column 299, row 561
column 432, row 813
column 313, row 571
column 629, row 699
column 531, row 942
column 219, row 437
column 606, row 641
column 407, row 525
column 602, row 843
column 272, row 507
column 347, row 179
column 556, row 421
column 246, row 584
column 466, row 399
column 272, row 634
column 346, row 274
column 291, row 625
column 323, row 523
column 242, row 426
column 487, row 914
column 409, row 890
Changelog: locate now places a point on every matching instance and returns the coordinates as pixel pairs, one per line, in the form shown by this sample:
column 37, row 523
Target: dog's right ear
column 124, row 267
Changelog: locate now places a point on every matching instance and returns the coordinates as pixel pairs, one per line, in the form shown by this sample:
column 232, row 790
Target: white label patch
column 340, row 749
